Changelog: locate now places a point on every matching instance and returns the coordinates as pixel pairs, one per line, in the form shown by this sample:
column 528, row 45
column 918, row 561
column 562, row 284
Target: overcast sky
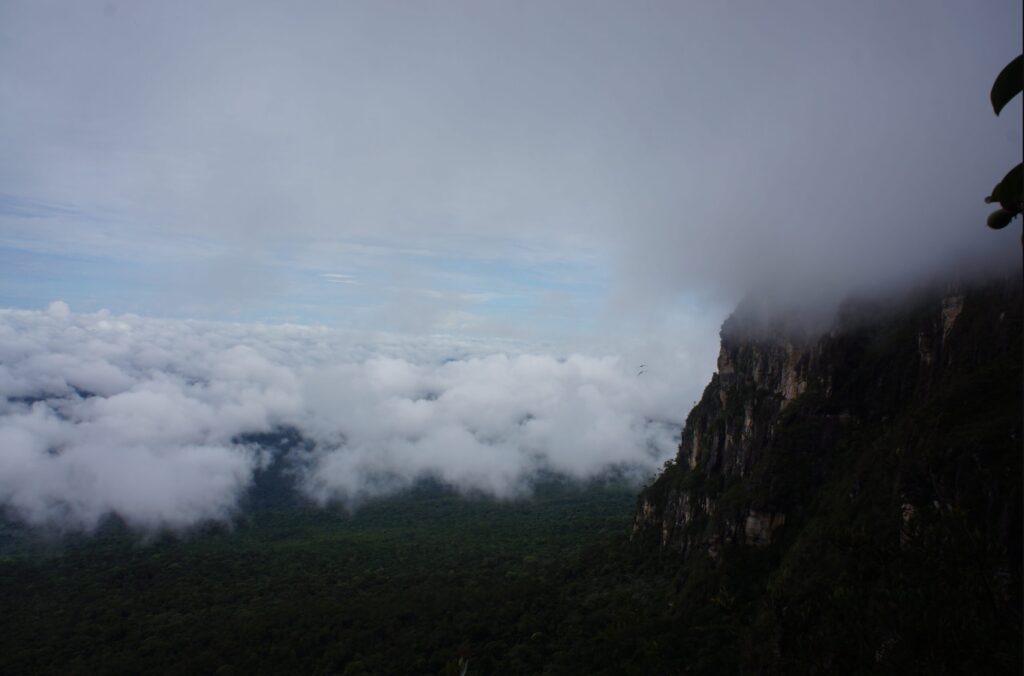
column 575, row 188
column 538, row 168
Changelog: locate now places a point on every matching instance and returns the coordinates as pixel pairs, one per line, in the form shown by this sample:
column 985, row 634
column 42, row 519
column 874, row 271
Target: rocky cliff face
column 884, row 451
column 777, row 388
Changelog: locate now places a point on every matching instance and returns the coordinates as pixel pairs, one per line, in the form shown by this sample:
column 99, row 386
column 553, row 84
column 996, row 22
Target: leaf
column 1009, row 192
column 1008, row 84
column 999, row 219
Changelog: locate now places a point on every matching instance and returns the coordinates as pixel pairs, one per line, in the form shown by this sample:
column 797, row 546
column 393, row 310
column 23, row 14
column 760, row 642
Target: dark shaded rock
column 877, row 466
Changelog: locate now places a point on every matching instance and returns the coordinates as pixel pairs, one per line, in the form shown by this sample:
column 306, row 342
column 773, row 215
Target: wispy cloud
column 339, row 278
column 480, row 297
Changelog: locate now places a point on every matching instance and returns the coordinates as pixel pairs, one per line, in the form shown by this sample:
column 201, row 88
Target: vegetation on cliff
column 854, row 503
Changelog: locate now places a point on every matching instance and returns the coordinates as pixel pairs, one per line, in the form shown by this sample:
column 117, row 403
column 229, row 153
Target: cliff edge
column 860, row 486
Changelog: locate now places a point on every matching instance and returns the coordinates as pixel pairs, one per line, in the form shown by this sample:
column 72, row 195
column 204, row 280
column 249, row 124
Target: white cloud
column 138, row 417
column 58, row 309
column 339, row 278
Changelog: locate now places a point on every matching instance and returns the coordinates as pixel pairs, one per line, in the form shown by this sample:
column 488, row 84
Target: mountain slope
column 853, row 501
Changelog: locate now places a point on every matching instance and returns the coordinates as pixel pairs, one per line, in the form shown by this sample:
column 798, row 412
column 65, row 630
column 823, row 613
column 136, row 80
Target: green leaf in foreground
column 1008, row 84
column 999, row 219
column 1009, row 194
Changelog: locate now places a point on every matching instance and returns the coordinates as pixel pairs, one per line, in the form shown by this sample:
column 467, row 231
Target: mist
column 674, row 153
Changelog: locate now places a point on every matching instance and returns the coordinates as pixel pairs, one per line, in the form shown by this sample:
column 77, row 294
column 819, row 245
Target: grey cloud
column 692, row 148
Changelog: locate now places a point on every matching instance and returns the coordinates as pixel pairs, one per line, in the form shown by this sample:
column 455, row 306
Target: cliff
column 867, row 475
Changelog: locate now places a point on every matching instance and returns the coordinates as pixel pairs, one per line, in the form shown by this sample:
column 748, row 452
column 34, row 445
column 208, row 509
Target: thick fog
column 143, row 418
column 689, row 149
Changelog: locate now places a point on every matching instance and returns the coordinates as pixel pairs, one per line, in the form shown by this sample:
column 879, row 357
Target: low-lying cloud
column 146, row 419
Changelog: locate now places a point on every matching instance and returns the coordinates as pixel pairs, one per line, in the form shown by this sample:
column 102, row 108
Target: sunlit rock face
column 790, row 409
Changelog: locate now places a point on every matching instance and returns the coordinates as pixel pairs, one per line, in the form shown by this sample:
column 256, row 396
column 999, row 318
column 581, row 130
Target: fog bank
column 142, row 418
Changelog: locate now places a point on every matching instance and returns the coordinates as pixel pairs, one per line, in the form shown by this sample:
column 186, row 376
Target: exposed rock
column 793, row 382
column 760, row 527
column 925, row 349
column 952, row 306
column 908, row 527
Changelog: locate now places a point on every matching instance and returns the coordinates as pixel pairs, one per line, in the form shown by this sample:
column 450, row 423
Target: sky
column 555, row 180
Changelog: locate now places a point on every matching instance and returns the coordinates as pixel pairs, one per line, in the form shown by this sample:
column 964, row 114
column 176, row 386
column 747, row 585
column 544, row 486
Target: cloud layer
column 142, row 418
